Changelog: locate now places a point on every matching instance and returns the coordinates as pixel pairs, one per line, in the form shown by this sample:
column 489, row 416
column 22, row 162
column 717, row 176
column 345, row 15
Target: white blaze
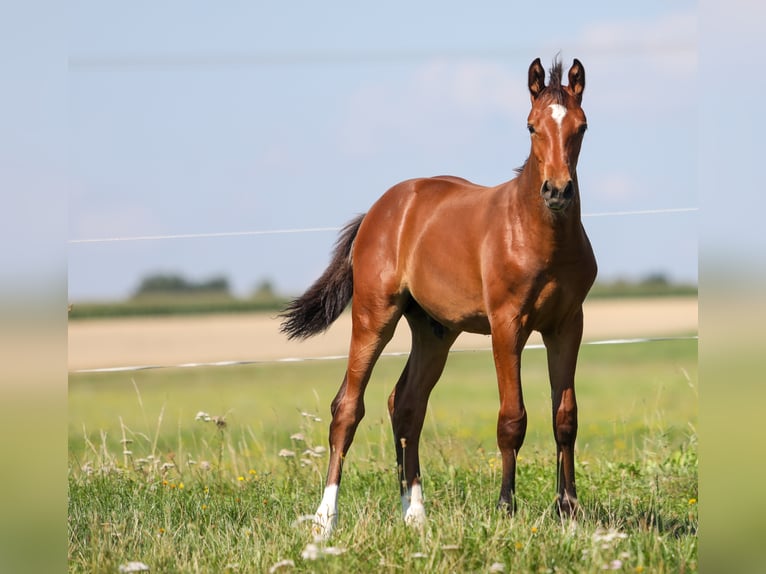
column 557, row 112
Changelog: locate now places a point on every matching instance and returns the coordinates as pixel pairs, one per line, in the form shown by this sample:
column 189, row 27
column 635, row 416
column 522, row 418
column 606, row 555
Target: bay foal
column 453, row 256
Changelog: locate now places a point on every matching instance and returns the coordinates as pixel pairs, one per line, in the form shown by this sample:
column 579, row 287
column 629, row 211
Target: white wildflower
column 133, row 567
column 418, row 555
column 285, row 453
column 311, row 552
column 497, row 567
column 203, row 416
column 608, row 536
column 301, row 519
column 333, row 551
column 297, row 436
column 281, row 564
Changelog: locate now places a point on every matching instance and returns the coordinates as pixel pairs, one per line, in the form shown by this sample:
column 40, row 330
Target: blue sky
column 185, row 119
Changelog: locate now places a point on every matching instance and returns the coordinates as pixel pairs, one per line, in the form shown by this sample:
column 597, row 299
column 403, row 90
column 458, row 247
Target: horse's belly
column 453, row 309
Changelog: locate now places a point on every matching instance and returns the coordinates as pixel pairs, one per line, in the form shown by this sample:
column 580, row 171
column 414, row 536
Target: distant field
column 148, row 482
column 119, row 342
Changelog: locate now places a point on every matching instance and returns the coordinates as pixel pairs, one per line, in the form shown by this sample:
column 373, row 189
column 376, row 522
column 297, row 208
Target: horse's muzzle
column 557, row 198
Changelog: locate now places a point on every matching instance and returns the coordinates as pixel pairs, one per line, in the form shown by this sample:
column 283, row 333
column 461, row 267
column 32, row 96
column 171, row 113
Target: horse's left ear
column 577, row 79
column 536, row 79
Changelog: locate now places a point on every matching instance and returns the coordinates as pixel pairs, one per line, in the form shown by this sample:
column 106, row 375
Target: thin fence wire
column 222, row 60
column 328, row 229
column 343, row 357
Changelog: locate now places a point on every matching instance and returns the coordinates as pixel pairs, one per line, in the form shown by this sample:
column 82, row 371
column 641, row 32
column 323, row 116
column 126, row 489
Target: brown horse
column 453, row 256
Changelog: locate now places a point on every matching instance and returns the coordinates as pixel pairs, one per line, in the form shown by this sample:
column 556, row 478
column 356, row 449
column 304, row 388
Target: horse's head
column 556, row 124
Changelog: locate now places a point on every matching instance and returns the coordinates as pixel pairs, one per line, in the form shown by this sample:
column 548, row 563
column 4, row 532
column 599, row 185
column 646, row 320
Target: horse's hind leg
column 371, row 330
column 407, row 405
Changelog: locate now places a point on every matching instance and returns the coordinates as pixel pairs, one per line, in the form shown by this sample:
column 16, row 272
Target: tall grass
column 227, row 491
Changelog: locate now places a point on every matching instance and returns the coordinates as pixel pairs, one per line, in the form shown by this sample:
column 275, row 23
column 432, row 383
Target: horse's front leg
column 507, row 344
column 562, row 348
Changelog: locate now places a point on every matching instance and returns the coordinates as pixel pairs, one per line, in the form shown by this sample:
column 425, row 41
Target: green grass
column 148, row 482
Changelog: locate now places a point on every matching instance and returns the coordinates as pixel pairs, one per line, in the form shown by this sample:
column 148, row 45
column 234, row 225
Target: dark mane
column 554, row 90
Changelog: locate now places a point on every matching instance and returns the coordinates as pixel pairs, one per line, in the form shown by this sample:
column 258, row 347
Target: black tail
column 323, row 302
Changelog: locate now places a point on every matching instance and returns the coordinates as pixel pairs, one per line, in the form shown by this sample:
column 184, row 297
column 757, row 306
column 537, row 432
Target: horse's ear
column 536, row 79
column 577, row 79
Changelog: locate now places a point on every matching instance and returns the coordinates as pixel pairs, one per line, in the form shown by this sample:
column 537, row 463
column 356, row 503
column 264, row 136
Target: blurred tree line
column 174, row 294
column 176, row 284
column 171, row 283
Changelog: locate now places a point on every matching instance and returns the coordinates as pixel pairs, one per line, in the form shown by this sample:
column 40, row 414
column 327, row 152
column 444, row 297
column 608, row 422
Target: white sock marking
column 557, row 112
column 412, row 506
column 327, row 514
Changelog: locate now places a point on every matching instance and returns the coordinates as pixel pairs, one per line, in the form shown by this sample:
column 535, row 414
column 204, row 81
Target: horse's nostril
column 549, row 190
column 569, row 190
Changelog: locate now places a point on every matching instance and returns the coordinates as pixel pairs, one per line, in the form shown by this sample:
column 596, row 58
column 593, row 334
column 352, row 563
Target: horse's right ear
column 536, row 79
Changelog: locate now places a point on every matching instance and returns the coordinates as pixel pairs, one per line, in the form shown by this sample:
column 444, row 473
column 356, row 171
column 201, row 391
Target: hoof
column 415, row 516
column 567, row 506
column 323, row 526
column 326, row 515
column 507, row 506
column 413, row 507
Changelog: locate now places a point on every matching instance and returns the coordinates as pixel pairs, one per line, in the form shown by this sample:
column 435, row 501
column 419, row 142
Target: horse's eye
column 531, row 128
column 582, row 129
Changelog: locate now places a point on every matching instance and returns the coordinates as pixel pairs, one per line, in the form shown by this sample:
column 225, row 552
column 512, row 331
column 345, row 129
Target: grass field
column 150, row 483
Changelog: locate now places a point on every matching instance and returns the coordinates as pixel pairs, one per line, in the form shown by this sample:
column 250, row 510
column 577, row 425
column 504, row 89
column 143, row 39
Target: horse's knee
column 346, row 416
column 565, row 428
column 511, row 429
